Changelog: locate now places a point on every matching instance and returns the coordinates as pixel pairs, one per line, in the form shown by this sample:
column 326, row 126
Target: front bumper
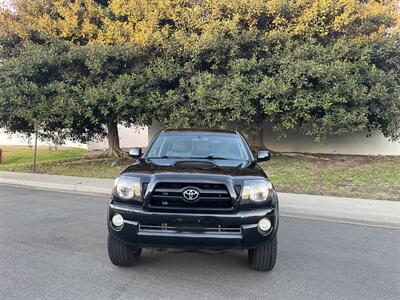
column 205, row 232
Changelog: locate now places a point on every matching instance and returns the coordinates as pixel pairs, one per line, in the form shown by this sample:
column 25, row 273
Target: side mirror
column 263, row 155
column 135, row 152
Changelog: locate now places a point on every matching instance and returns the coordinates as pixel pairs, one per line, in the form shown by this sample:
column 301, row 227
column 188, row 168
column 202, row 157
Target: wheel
column 263, row 258
column 122, row 254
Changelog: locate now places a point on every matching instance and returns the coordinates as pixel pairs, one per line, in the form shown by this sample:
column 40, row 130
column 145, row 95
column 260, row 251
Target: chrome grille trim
column 191, row 229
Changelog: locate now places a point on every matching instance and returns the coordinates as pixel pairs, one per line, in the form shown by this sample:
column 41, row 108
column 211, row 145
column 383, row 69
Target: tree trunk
column 256, row 139
column 114, row 149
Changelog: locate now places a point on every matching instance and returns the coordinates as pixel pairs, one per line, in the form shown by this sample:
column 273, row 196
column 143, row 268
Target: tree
column 215, row 87
column 115, row 85
column 221, row 63
column 337, row 89
column 33, row 93
column 308, row 66
column 102, row 78
column 78, row 92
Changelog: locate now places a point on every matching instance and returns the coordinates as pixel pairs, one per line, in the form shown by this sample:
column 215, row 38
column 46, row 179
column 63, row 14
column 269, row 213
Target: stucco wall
column 377, row 144
column 15, row 139
column 357, row 144
column 155, row 128
column 128, row 137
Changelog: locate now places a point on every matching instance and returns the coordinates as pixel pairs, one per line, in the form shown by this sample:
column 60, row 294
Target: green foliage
column 71, row 91
column 317, row 67
column 33, row 91
column 111, row 82
column 340, row 88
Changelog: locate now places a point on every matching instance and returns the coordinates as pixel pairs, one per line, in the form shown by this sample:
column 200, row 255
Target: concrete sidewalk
column 348, row 210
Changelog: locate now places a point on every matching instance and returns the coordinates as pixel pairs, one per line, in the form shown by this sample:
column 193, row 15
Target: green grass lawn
column 373, row 177
column 21, row 157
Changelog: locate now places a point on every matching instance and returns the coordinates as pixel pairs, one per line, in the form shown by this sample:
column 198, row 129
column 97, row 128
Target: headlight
column 128, row 188
column 257, row 190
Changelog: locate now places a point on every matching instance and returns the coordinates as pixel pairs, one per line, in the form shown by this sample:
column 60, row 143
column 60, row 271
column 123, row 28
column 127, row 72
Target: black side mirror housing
column 263, row 155
column 135, row 152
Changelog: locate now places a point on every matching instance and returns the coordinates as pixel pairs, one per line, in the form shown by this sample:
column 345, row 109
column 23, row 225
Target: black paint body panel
column 194, row 227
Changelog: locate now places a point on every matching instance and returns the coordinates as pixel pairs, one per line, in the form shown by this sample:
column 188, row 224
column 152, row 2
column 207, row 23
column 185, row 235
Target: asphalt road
column 53, row 246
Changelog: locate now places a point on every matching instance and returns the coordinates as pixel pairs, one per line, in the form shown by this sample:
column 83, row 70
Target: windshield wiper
column 164, row 157
column 192, row 157
column 212, row 157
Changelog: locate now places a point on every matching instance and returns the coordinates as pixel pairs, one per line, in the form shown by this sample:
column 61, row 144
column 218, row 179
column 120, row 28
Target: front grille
column 168, row 195
column 189, row 228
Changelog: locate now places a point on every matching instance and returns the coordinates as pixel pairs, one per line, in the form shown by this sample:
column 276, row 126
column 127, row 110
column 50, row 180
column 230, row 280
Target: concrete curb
column 327, row 208
column 101, row 187
column 340, row 209
column 71, row 188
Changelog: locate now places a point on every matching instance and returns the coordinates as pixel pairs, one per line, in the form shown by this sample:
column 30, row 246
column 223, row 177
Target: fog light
column 117, row 220
column 264, row 224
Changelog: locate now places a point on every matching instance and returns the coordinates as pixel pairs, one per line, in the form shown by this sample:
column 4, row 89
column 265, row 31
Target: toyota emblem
column 191, row 194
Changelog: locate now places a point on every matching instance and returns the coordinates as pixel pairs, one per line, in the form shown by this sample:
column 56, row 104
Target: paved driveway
column 53, row 245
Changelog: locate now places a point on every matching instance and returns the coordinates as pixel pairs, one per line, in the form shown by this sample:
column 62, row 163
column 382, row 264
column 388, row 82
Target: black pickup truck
column 194, row 189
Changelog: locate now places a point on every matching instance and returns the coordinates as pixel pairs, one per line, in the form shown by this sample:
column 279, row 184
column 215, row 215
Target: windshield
column 199, row 145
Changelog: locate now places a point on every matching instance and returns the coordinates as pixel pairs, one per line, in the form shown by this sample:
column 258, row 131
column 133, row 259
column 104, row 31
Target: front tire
column 122, row 254
column 263, row 258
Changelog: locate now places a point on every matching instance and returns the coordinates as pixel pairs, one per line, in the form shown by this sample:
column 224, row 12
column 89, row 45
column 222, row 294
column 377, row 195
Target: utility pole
column 35, row 150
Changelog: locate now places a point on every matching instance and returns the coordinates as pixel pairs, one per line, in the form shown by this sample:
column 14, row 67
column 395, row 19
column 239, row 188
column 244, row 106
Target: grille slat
column 205, row 191
column 168, row 195
column 190, row 228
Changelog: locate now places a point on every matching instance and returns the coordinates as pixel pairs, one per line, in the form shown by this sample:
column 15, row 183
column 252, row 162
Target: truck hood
column 195, row 166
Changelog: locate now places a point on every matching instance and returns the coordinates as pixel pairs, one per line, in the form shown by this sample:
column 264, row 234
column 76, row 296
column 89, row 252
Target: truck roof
column 200, row 130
